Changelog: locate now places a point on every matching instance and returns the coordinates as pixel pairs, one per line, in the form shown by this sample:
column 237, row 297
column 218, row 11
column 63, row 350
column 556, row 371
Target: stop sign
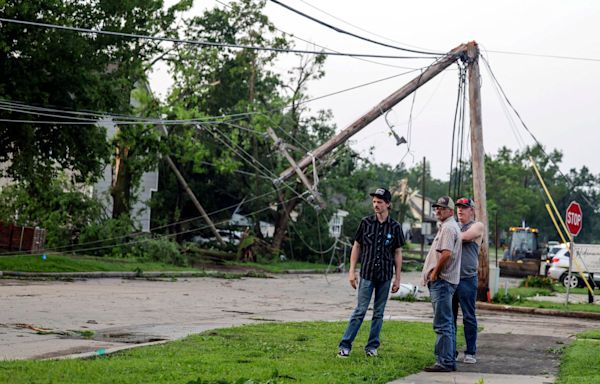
column 574, row 218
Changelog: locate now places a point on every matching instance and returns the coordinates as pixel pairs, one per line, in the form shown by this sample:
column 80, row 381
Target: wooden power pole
column 197, row 204
column 189, row 192
column 477, row 161
column 469, row 51
column 377, row 111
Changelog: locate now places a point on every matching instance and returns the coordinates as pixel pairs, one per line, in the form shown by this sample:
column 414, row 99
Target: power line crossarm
column 298, row 171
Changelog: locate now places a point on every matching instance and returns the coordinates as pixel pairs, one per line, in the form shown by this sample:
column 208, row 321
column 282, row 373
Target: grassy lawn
column 518, row 297
column 61, row 263
column 560, row 306
column 580, row 291
column 66, row 263
column 282, row 266
column 581, row 359
column 263, row 353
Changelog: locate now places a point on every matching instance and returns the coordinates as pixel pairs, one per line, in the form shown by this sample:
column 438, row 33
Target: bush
column 161, row 250
column 501, row 298
column 60, row 209
column 538, row 282
column 106, row 238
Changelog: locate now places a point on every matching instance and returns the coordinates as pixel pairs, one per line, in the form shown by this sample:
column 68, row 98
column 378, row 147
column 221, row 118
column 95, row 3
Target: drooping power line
column 201, row 42
column 342, row 31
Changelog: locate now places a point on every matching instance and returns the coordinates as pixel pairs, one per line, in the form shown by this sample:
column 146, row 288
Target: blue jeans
column 365, row 291
column 466, row 296
column 441, row 293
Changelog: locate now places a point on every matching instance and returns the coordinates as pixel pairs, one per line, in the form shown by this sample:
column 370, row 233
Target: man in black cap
column 466, row 292
column 378, row 244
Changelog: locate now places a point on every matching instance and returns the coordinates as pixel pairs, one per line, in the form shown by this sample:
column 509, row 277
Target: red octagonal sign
column 574, row 218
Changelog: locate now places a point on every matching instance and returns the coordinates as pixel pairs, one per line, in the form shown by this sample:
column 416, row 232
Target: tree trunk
column 283, row 220
column 121, row 188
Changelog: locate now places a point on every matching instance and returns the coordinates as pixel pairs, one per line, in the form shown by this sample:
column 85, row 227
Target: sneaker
column 469, row 359
column 437, row 368
column 343, row 353
column 371, row 353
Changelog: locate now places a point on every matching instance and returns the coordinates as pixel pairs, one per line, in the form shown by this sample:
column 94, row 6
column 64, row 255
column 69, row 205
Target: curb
column 538, row 311
column 99, row 275
column 104, row 352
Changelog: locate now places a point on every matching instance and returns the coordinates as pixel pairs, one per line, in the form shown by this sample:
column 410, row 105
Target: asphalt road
column 125, row 312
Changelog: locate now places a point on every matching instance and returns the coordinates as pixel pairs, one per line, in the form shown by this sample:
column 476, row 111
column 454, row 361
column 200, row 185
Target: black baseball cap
column 444, row 202
column 383, row 194
column 465, row 202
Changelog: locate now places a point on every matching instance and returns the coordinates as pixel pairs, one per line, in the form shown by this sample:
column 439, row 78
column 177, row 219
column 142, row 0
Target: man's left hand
column 395, row 286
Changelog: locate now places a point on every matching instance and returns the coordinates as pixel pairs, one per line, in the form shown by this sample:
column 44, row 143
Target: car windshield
column 554, row 250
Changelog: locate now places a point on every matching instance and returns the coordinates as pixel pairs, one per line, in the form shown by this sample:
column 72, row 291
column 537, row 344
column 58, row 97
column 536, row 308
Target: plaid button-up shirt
column 378, row 244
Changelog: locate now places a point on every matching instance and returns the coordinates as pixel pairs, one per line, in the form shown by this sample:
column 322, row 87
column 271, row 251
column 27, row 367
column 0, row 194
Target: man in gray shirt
column 466, row 292
column 441, row 274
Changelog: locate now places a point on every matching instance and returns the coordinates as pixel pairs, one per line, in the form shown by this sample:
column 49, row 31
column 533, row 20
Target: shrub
column 60, row 208
column 107, row 237
column 538, row 282
column 161, row 250
column 501, row 298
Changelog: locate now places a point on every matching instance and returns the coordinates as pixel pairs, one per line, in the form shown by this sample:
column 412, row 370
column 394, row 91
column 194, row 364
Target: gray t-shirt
column 470, row 255
column 448, row 237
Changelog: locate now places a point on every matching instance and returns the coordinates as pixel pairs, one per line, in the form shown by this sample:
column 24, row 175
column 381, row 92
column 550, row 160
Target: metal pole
column 423, row 209
column 572, row 255
column 496, row 231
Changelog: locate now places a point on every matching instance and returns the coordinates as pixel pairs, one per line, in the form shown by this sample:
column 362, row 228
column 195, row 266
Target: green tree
column 72, row 71
column 64, row 211
column 515, row 194
column 222, row 81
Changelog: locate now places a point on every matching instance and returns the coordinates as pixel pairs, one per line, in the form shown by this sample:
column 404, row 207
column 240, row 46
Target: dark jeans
column 441, row 293
column 365, row 291
column 466, row 296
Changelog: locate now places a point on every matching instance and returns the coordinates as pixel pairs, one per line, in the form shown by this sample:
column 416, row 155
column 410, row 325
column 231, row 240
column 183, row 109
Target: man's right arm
column 353, row 260
column 474, row 233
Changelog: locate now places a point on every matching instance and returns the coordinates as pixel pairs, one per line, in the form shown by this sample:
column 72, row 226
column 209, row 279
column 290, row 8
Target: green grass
column 528, row 292
column 517, row 297
column 560, row 306
column 61, row 263
column 282, row 266
column 581, row 359
column 280, row 352
column 580, row 291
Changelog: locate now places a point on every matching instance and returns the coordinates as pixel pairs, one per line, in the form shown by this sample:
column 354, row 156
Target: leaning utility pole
column 478, row 165
column 197, row 204
column 377, row 111
column 189, row 192
column 470, row 53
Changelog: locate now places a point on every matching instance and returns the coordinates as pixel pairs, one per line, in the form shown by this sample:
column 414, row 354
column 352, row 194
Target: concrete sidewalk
column 503, row 358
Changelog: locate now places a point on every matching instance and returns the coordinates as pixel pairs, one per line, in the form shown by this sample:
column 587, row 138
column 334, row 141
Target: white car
column 231, row 237
column 553, row 249
column 559, row 270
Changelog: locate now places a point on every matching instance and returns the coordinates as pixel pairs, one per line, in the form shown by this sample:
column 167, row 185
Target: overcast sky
column 557, row 98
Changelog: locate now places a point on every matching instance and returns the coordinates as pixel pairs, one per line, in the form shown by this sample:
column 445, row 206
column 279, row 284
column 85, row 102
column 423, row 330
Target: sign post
column 574, row 220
